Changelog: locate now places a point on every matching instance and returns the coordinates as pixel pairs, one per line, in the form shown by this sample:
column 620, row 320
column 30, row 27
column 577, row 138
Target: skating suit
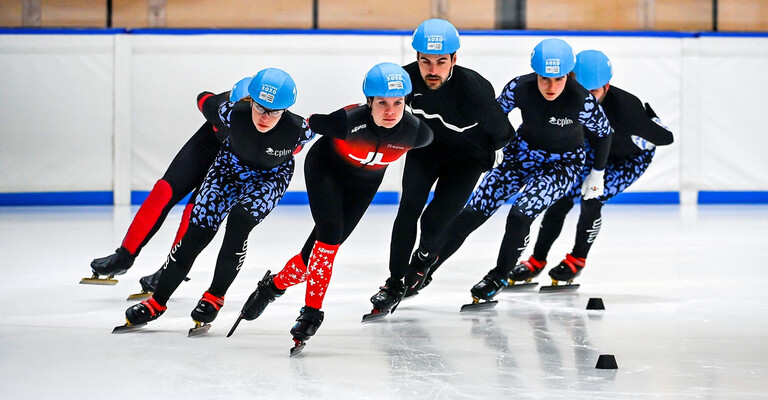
column 468, row 126
column 248, row 178
column 343, row 172
column 547, row 155
column 184, row 176
column 637, row 130
column 635, row 137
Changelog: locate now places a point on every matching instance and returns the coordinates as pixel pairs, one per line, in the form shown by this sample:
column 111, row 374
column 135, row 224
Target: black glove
column 649, row 111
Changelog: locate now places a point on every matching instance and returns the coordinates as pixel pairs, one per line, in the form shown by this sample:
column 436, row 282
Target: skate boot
column 386, row 300
column 265, row 293
column 148, row 285
column 421, row 264
column 306, row 325
column 109, row 266
column 525, row 271
column 483, row 291
column 138, row 315
column 567, row 270
column 205, row 312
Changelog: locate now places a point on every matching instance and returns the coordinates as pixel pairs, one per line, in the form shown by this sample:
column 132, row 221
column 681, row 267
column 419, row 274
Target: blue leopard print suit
column 540, row 165
column 637, row 133
column 248, row 178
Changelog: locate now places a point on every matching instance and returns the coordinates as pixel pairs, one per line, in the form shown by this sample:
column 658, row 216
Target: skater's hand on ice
column 594, row 185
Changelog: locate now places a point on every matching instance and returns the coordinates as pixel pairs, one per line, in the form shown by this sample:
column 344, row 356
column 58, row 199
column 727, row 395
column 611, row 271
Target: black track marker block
column 606, row 361
column 595, row 303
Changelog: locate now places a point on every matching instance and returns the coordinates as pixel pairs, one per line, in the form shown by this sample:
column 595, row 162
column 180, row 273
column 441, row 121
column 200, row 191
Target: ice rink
column 684, row 289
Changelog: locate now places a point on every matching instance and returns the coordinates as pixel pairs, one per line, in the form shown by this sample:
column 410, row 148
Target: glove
column 642, row 143
column 594, row 185
column 649, row 111
column 201, row 98
column 499, row 157
column 240, row 90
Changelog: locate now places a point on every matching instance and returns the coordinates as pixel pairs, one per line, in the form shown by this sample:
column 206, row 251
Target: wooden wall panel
column 743, row 15
column 472, row 14
column 130, row 14
column 239, row 13
column 683, row 15
column 74, row 13
column 10, row 13
column 583, row 15
column 392, row 14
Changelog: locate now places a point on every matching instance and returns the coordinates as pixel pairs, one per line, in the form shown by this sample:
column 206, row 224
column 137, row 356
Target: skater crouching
column 459, row 105
column 343, row 172
column 246, row 181
column 540, row 164
column 637, row 132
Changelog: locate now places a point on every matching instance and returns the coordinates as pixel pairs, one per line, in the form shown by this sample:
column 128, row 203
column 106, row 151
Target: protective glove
column 594, row 185
column 240, row 90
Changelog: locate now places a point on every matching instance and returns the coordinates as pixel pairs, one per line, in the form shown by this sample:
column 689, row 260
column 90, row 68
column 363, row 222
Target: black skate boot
column 566, row 271
column 148, row 285
column 386, row 300
column 138, row 315
column 265, row 293
column 306, row 325
column 525, row 271
column 484, row 291
column 421, row 264
column 205, row 312
column 109, row 266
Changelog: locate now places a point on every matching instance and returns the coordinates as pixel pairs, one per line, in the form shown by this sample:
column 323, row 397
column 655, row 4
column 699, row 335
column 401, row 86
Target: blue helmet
column 273, row 88
column 552, row 58
column 435, row 36
column 593, row 69
column 240, row 89
column 387, row 80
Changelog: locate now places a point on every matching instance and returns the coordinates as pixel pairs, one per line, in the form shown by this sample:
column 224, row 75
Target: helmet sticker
column 267, row 93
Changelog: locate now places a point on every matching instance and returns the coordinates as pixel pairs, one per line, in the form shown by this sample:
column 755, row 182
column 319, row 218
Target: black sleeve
column 655, row 132
column 424, row 136
column 333, row 124
column 601, row 147
column 208, row 104
column 493, row 120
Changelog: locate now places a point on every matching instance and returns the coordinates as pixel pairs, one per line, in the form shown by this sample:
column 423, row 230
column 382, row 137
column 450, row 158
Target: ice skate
column 148, row 284
column 138, row 315
column 307, row 324
column 521, row 275
column 204, row 313
column 386, row 300
column 109, row 266
column 566, row 271
column 483, row 292
column 266, row 292
column 421, row 263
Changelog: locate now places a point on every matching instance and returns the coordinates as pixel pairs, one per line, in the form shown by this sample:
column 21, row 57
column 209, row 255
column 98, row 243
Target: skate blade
column 199, row 329
column 140, row 296
column 95, row 280
column 374, row 316
column 232, row 330
column 515, row 286
column 127, row 328
column 479, row 306
column 298, row 348
column 568, row 287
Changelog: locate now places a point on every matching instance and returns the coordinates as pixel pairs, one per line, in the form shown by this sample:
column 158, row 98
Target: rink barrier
column 381, row 198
